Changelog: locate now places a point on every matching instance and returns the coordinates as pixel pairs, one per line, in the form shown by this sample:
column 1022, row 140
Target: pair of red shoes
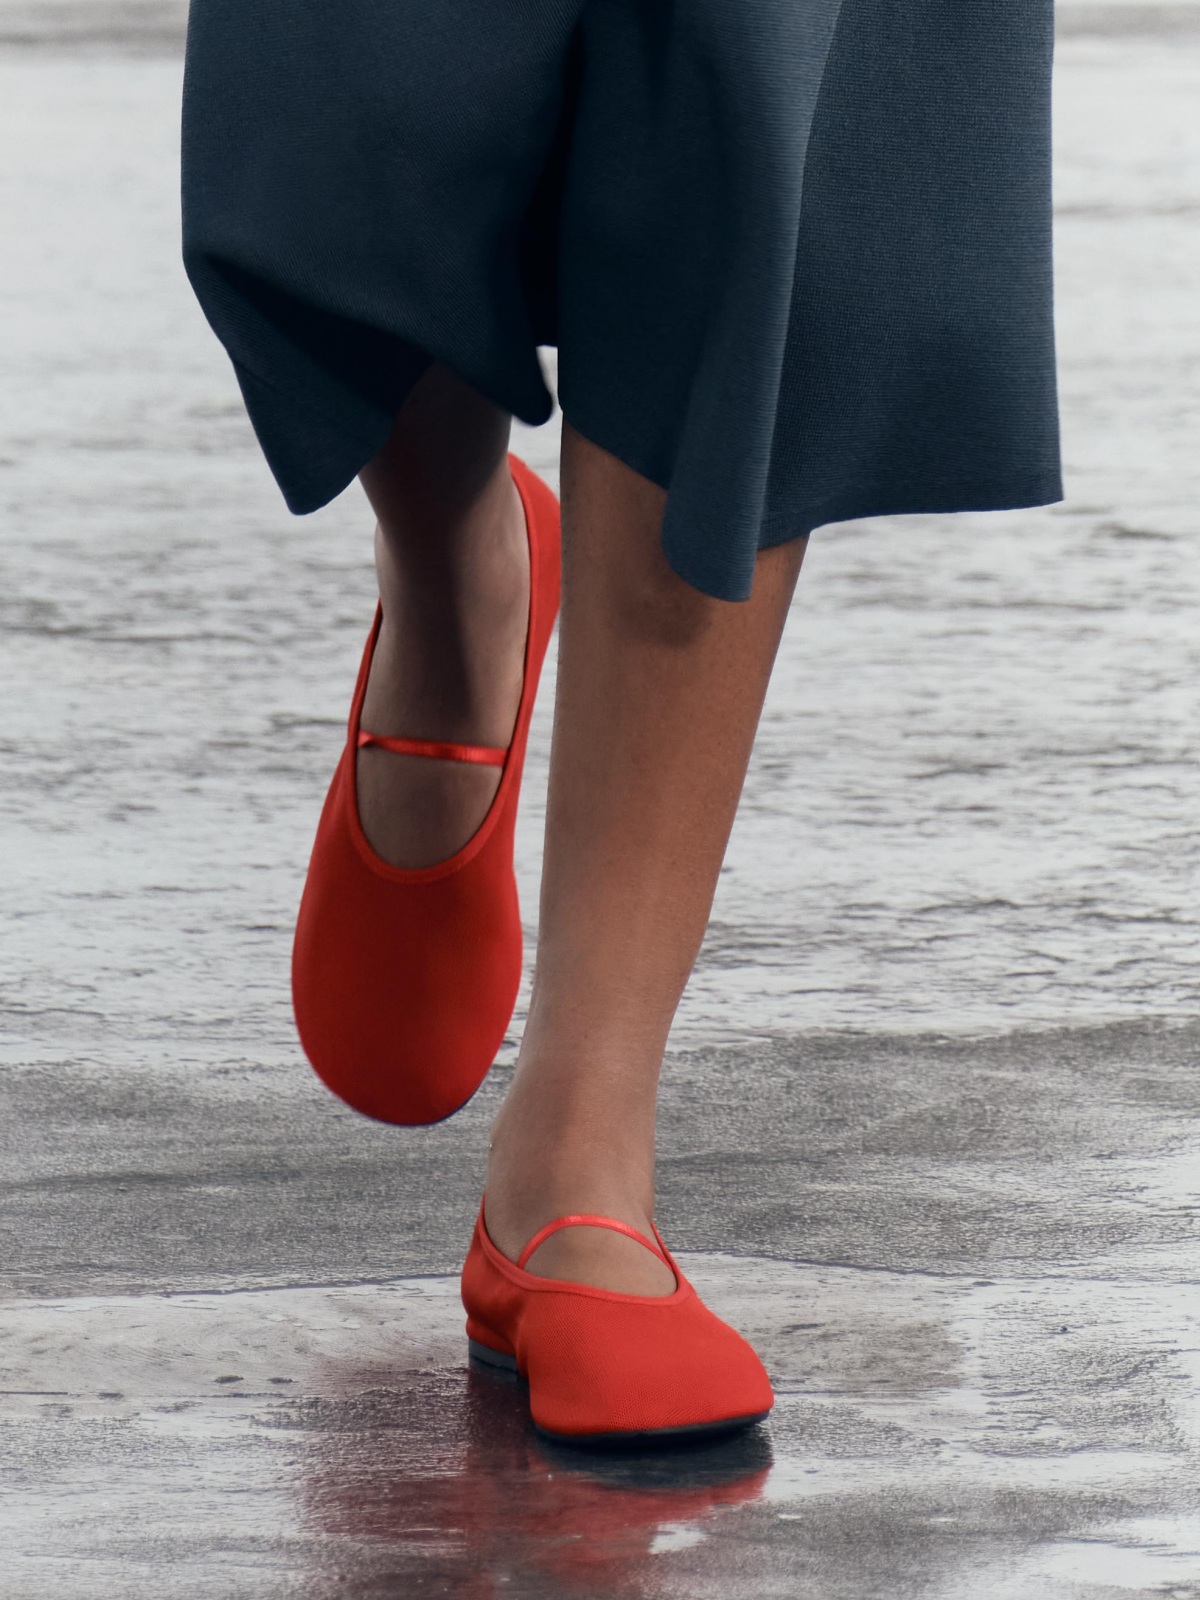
column 403, row 983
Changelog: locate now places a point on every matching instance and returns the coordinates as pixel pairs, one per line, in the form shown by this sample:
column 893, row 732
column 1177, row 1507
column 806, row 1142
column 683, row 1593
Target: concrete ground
column 929, row 1131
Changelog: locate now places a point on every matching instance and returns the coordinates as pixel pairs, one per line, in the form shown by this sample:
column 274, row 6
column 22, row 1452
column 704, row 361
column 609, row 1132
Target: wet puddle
column 312, row 1441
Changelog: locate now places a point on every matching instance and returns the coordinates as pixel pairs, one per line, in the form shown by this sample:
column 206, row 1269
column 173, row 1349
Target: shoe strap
column 485, row 755
column 543, row 1234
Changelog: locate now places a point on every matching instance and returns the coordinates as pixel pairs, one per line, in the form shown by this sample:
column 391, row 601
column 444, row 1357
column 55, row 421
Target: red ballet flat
column 606, row 1368
column 404, row 980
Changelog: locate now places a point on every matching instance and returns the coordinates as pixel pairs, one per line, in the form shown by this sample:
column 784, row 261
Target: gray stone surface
column 123, row 27
column 929, row 1128
column 921, row 1154
column 935, row 1436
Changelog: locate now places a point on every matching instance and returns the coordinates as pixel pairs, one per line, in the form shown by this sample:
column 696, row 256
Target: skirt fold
column 795, row 254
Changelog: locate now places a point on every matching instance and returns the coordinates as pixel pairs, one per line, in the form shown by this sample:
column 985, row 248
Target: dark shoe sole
column 693, row 1430
column 490, row 1357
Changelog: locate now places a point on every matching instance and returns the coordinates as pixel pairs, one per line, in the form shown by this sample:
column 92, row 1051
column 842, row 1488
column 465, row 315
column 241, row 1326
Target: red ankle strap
column 543, row 1234
column 485, row 754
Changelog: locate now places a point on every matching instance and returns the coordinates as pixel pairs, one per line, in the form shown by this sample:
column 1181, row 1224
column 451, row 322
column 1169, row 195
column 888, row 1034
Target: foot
column 528, row 1187
column 448, row 665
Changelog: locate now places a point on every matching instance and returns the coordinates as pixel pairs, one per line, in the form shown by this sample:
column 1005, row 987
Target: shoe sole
column 503, row 1362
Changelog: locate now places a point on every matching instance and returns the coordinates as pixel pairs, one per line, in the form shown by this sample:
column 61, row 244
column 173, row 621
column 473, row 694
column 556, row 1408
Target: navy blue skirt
column 795, row 254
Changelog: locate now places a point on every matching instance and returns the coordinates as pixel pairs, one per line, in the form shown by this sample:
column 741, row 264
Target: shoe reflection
column 446, row 1471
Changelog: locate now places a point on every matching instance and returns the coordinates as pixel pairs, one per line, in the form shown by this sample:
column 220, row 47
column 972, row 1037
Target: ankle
column 448, row 664
column 520, row 1200
column 575, row 1136
column 454, row 607
column 565, row 1181
column 547, row 1140
column 537, row 1174
column 450, row 648
column 477, row 550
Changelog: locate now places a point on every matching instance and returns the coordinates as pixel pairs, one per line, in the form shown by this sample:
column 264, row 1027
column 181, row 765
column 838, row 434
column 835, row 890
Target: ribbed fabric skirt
column 794, row 254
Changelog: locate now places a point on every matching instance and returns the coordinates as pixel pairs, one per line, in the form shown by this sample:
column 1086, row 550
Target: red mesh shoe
column 404, row 980
column 607, row 1368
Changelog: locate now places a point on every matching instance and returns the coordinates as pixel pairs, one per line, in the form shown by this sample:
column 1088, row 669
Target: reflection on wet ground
column 459, row 1496
column 934, row 1435
column 351, row 1442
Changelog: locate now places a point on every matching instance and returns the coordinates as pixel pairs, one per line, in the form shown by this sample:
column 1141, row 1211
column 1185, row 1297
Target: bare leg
column 453, row 566
column 658, row 699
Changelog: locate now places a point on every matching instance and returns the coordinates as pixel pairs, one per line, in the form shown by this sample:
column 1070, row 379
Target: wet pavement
column 233, row 1359
column 930, row 1120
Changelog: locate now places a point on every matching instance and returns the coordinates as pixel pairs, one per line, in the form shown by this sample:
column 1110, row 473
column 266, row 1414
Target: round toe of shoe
column 402, row 991
column 669, row 1370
